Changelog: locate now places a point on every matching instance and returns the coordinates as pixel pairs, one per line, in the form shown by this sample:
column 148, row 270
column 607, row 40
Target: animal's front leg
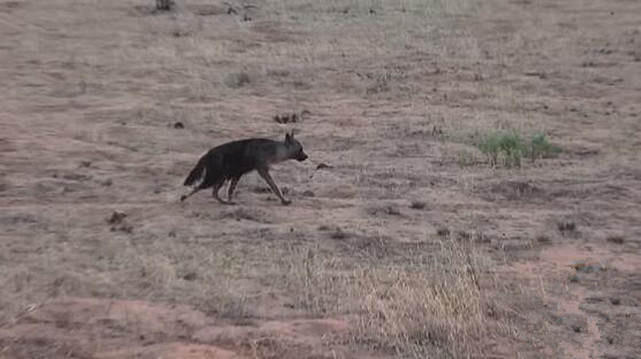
column 232, row 187
column 264, row 173
column 217, row 187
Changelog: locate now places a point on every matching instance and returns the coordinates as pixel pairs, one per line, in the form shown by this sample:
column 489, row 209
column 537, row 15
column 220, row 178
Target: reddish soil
column 393, row 97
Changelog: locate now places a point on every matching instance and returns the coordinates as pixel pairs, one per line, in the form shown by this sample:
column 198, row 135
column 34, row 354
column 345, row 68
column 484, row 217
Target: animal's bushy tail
column 196, row 175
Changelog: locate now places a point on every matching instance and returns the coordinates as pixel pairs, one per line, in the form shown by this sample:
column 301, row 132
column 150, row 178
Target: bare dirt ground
column 408, row 245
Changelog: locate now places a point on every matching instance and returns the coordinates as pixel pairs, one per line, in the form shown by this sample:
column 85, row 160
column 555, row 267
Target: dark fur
column 230, row 161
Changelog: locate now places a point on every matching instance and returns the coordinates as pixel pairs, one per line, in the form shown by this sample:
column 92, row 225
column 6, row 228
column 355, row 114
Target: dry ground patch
column 410, row 243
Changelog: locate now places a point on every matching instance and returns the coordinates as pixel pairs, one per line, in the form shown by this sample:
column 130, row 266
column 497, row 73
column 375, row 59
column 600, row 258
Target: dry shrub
column 431, row 304
column 164, row 5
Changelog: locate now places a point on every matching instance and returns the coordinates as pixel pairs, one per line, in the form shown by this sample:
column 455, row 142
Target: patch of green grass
column 509, row 148
column 505, row 149
column 466, row 159
column 541, row 148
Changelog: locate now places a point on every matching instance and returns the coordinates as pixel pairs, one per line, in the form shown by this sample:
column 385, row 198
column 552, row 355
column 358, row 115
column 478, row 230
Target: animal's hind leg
column 232, row 187
column 217, row 187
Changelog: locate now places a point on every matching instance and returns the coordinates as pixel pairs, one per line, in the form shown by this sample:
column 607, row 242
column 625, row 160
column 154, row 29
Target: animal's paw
column 286, row 202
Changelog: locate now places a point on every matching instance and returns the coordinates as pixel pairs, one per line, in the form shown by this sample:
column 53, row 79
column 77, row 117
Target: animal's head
column 294, row 148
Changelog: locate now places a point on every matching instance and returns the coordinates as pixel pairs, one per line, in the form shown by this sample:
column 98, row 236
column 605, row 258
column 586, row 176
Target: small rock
column 117, row 217
column 308, row 193
column 323, row 165
column 117, row 220
column 566, row 226
column 615, row 301
column 418, row 205
column 587, row 267
column 338, row 234
column 286, row 118
column 615, row 239
column 179, row 125
column 443, row 232
column 543, row 239
column 576, row 328
column 190, row 276
column 392, row 211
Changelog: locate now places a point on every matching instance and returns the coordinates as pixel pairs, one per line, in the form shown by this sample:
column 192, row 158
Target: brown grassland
column 482, row 195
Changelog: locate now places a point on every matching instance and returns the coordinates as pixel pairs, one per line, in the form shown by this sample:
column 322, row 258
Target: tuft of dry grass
column 427, row 304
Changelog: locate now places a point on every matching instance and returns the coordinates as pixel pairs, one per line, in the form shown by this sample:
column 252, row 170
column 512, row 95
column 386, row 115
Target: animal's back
column 239, row 157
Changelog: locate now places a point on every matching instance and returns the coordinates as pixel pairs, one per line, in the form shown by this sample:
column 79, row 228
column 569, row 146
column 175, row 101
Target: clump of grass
column 418, row 204
column 432, row 305
column 466, row 158
column 541, row 148
column 237, row 79
column 505, row 149
column 509, row 148
column 164, row 5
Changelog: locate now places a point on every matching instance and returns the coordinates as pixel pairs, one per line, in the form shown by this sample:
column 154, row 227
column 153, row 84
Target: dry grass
column 396, row 96
column 428, row 304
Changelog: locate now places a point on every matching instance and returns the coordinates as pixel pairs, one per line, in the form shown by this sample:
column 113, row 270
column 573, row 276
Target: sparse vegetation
column 237, row 79
column 540, row 147
column 505, row 149
column 616, row 239
column 508, row 149
column 418, row 204
column 400, row 102
column 338, row 233
column 466, row 158
column 432, row 305
column 164, row 5
column 443, row 232
column 567, row 228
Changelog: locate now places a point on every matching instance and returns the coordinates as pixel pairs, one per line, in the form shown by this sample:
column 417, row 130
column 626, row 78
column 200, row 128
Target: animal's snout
column 302, row 157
